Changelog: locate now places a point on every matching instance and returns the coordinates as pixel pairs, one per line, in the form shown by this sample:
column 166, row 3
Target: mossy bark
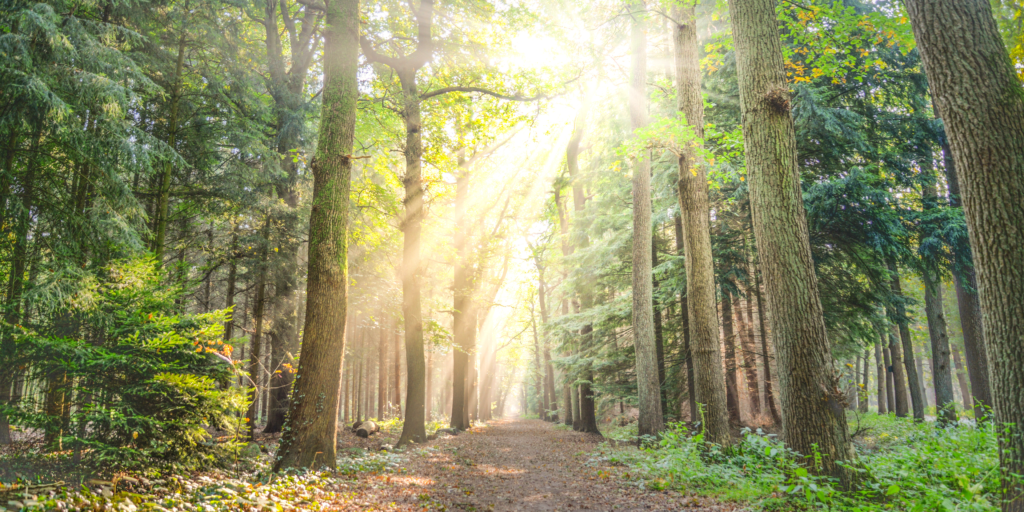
column 310, row 431
column 813, row 418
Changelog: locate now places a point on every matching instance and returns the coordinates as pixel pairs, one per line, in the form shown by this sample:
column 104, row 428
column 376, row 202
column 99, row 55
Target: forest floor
column 508, row 465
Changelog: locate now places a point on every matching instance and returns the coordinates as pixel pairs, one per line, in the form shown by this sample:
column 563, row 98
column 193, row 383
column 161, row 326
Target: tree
column 650, row 422
column 312, row 422
column 701, row 304
column 977, row 94
column 812, row 415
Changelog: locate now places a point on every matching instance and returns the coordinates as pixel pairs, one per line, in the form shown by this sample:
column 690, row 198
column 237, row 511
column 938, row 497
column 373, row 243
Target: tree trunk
column 942, row 376
column 881, row 375
column 729, row 340
column 256, row 369
column 966, row 286
column 862, row 392
column 16, row 284
column 814, row 420
column 746, row 316
column 651, row 420
column 961, row 378
column 659, row 335
column 684, row 316
column 920, row 375
column 229, row 295
column 464, row 321
column 382, row 369
column 906, row 374
column 702, row 310
column 584, row 411
column 769, row 387
column 163, row 194
column 311, row 432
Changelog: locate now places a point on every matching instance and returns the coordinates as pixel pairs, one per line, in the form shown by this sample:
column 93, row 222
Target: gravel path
column 513, row 465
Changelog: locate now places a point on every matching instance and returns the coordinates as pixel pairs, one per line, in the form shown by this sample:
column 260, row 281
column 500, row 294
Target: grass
column 901, row 465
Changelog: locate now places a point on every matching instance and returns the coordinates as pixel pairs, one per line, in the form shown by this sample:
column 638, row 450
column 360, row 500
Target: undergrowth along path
column 516, row 465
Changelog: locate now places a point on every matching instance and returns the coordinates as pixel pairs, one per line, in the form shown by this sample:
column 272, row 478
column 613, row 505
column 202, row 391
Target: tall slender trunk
column 256, row 344
column 769, row 386
column 862, row 393
column 163, row 194
column 382, row 369
column 705, row 352
column 16, row 282
column 659, row 335
column 584, row 410
column 310, row 434
column 942, row 375
column 651, row 420
column 684, row 316
column 920, row 374
column 746, row 316
column 229, row 295
column 907, row 380
column 966, row 285
column 464, row 317
column 961, row 379
column 813, row 419
column 396, row 382
column 729, row 340
column 881, row 375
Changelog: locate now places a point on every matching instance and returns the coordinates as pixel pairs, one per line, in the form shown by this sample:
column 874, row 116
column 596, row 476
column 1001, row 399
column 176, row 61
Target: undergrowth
column 901, row 465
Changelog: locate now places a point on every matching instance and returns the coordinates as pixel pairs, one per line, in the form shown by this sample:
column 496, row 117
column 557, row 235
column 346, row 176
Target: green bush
column 127, row 380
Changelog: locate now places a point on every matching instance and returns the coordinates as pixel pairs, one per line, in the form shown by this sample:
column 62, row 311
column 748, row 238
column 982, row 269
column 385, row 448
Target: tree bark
column 961, row 379
column 702, row 309
column 909, row 379
column 882, row 378
column 769, row 386
column 813, row 419
column 977, row 93
column 966, row 285
column 862, row 393
column 311, row 431
column 942, row 376
column 729, row 340
column 746, row 316
column 651, row 421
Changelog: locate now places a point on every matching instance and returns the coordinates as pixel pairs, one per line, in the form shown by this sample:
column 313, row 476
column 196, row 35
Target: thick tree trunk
column 729, row 340
column 702, row 309
column 882, row 378
column 813, row 419
column 966, row 286
column 311, row 432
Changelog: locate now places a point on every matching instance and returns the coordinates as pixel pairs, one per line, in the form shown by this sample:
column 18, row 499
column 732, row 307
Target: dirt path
column 511, row 465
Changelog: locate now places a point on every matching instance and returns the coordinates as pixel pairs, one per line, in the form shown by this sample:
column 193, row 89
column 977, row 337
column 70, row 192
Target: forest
column 472, row 255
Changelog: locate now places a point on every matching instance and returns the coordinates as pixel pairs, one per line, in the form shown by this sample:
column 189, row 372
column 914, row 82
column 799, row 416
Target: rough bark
column 966, row 286
column 746, row 316
column 702, row 308
column 311, row 430
column 650, row 421
column 813, row 419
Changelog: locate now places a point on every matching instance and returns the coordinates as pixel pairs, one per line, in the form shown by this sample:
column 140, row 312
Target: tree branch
column 514, row 97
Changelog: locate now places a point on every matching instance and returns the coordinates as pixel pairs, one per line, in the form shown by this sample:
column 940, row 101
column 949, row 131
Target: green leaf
column 893, row 489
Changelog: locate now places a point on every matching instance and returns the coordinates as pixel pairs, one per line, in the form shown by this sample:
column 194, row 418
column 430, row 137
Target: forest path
column 517, row 465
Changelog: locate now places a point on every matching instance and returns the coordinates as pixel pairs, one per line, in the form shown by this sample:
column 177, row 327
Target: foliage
column 902, row 465
column 142, row 385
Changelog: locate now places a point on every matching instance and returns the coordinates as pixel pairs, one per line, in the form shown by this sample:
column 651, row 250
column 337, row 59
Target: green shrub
column 127, row 380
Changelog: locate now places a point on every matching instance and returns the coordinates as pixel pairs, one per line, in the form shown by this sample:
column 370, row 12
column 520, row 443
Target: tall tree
column 650, row 421
column 977, row 94
column 905, row 375
column 942, row 376
column 813, row 419
column 701, row 304
column 310, row 435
